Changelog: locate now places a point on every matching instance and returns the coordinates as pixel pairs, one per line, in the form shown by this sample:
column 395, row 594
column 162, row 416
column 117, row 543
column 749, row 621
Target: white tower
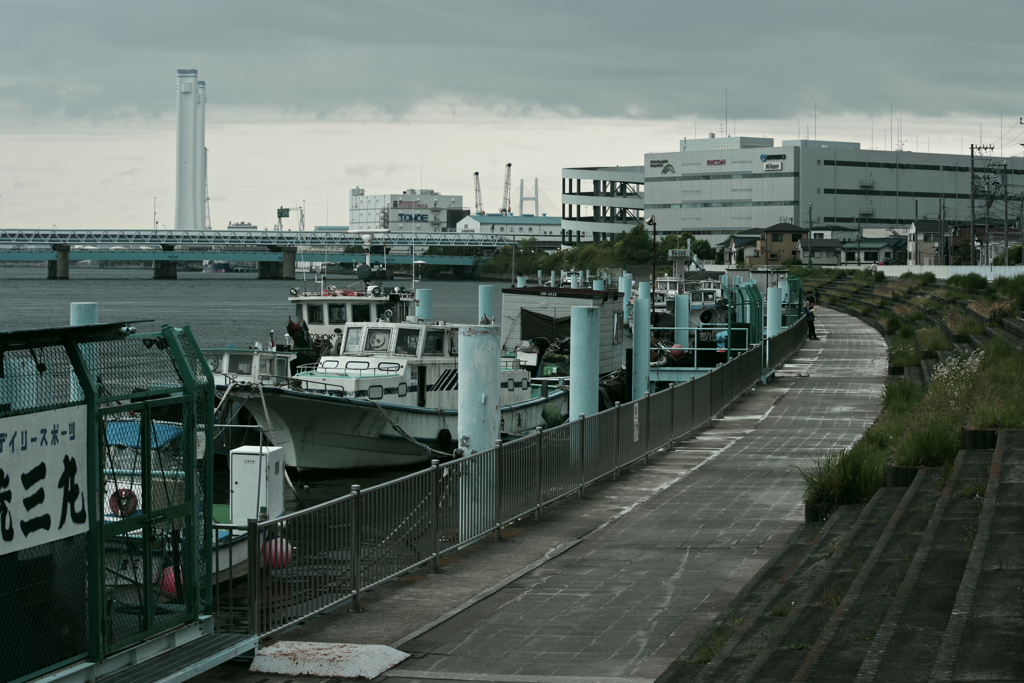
column 200, row 157
column 185, row 196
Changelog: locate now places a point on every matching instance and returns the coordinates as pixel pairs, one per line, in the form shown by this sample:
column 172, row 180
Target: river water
column 221, row 309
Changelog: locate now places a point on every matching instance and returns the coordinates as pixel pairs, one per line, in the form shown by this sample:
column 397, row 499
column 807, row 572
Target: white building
column 717, row 187
column 543, row 228
column 412, row 210
column 602, row 201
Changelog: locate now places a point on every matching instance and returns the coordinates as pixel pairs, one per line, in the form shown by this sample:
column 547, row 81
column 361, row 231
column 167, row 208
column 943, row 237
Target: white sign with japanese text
column 43, row 478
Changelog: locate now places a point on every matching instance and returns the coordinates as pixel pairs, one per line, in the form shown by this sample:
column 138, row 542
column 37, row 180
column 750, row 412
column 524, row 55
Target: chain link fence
column 102, row 497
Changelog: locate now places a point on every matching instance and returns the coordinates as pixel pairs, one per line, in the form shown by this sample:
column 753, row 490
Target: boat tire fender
column 444, row 440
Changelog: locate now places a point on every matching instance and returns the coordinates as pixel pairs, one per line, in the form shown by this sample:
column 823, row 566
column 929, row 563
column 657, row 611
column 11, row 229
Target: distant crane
column 506, row 200
column 476, row 186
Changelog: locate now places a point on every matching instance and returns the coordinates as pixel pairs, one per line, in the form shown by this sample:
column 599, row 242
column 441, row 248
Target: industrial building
column 412, row 210
column 717, row 187
column 543, row 228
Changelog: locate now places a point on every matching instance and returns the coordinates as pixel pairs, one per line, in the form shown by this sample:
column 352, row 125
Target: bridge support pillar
column 270, row 270
column 58, row 270
column 288, row 264
column 165, row 270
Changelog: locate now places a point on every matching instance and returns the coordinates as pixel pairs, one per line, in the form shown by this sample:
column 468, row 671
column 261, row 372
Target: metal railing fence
column 326, row 556
column 783, row 345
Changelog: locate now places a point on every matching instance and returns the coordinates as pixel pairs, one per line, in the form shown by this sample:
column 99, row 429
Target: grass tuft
column 708, row 648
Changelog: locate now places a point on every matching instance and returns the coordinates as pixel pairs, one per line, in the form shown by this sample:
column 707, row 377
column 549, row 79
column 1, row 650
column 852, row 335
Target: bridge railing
column 328, row 555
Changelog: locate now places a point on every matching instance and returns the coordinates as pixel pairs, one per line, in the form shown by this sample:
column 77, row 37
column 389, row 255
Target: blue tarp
column 127, row 433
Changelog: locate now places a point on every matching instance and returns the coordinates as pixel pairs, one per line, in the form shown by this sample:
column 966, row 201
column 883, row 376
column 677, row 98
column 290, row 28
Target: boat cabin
column 254, row 366
column 326, row 313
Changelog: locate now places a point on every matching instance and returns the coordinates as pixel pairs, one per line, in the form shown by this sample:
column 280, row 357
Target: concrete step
column 909, row 640
column 846, row 639
column 928, row 369
column 982, row 638
column 772, row 648
column 778, row 576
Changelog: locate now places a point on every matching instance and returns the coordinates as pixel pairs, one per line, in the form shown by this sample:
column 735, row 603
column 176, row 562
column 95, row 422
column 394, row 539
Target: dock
column 614, row 586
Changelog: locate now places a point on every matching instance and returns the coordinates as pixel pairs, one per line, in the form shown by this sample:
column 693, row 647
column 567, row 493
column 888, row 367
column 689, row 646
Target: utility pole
column 974, row 148
column 1006, row 219
column 654, row 261
column 810, row 234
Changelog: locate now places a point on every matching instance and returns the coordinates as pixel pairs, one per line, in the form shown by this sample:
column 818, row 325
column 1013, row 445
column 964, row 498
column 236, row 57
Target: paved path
column 613, row 587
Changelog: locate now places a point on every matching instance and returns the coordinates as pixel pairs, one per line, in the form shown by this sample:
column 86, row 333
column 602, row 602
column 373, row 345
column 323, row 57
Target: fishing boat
column 386, row 395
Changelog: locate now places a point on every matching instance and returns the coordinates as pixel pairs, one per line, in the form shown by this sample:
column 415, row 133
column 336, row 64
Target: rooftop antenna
column 726, row 111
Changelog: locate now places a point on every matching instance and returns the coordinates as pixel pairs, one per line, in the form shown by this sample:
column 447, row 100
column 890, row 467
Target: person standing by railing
column 809, row 313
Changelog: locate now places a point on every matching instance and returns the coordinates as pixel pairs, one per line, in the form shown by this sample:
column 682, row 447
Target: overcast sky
column 308, row 99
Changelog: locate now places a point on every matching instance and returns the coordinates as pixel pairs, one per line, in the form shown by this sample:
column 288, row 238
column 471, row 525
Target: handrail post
column 618, row 437
column 497, row 489
column 435, row 516
column 582, row 448
column 254, row 577
column 357, row 548
column 647, row 428
column 540, row 475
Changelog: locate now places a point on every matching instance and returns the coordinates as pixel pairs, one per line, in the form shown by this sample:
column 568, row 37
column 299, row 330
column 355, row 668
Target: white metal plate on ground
column 330, row 660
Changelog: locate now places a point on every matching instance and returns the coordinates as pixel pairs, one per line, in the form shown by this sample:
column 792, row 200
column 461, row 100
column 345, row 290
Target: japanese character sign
column 42, row 478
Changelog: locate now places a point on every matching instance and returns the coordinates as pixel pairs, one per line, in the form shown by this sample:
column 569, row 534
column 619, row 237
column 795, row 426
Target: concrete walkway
column 614, row 586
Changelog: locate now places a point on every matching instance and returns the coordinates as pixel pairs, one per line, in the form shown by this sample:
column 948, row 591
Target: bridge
column 274, row 251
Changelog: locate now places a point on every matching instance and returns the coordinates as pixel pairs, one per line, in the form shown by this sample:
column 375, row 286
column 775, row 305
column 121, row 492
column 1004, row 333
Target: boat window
column 361, row 313
column 353, row 338
column 282, row 367
column 264, row 365
column 315, row 313
column 377, row 340
column 375, row 393
column 213, row 360
column 389, row 367
column 407, row 342
column 240, row 363
column 336, row 314
column 357, row 365
column 403, row 389
column 434, row 343
column 328, row 364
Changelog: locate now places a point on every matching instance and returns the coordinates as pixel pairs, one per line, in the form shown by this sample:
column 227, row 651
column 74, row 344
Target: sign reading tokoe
column 42, row 478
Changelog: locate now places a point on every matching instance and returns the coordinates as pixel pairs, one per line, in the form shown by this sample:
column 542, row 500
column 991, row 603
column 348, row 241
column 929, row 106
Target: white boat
column 385, row 396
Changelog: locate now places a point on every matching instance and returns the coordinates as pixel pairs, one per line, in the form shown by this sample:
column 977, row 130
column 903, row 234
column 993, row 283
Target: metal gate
column 105, row 532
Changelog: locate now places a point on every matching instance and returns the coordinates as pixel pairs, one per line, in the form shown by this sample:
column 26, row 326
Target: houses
column 740, row 247
column 777, row 244
column 821, row 252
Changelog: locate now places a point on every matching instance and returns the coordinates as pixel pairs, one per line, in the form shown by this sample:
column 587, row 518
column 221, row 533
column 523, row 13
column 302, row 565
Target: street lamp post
column 810, row 237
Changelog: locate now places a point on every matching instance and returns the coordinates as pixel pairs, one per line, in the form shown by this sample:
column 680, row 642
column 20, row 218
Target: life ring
column 123, row 502
column 331, row 288
column 444, row 440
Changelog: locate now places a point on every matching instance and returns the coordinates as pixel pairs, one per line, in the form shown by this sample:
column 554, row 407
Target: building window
column 817, row 254
column 851, row 256
column 793, row 252
column 777, row 237
column 870, row 255
column 796, row 237
column 819, row 235
column 773, row 256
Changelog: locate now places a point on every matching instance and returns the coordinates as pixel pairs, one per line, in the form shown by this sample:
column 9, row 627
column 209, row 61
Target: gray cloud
column 663, row 59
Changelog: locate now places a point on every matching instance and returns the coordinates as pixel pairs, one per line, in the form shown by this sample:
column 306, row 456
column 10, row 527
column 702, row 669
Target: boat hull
column 326, row 432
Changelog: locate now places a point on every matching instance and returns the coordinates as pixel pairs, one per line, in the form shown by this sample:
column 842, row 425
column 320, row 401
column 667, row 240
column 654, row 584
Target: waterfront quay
column 616, row 585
